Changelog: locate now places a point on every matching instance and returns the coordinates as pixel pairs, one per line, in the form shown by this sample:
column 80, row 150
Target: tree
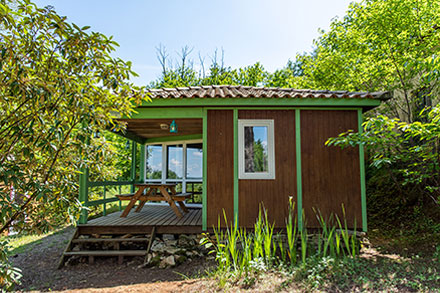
column 58, row 87
column 183, row 74
column 380, row 45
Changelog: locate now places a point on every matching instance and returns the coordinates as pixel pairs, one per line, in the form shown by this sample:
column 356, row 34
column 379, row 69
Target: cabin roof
column 231, row 91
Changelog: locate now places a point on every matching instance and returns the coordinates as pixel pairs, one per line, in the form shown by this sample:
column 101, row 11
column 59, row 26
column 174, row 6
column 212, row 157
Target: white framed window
column 256, row 149
column 177, row 162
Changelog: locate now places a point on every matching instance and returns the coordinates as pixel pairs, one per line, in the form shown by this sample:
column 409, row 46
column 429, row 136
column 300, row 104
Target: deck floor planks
column 150, row 216
column 196, row 219
column 170, row 220
column 183, row 219
column 199, row 219
column 166, row 214
column 134, row 218
column 191, row 216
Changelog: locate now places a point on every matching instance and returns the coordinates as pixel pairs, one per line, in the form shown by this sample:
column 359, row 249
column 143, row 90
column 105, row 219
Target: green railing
column 105, row 199
column 106, row 195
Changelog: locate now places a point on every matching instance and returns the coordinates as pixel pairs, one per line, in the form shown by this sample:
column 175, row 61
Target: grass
column 22, row 243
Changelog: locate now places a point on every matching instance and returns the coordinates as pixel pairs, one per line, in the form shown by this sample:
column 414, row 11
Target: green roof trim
column 235, row 102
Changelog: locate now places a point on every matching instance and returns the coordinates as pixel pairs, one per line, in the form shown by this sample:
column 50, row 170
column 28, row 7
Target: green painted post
column 235, row 114
column 133, row 164
column 120, row 202
column 104, row 204
column 205, row 164
column 142, row 164
column 362, row 174
column 83, row 193
column 298, row 169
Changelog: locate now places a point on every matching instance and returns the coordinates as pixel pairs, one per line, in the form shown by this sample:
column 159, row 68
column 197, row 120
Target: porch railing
column 104, row 196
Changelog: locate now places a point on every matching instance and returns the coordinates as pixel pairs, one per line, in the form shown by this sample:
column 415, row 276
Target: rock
column 75, row 248
column 167, row 262
column 168, row 237
column 159, row 246
column 170, row 242
column 106, row 236
column 83, row 237
column 181, row 259
column 126, row 236
column 174, row 250
column 153, row 259
column 185, row 241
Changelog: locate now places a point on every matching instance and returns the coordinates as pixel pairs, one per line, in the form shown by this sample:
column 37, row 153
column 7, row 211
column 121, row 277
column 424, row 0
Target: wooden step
column 106, row 253
column 100, row 240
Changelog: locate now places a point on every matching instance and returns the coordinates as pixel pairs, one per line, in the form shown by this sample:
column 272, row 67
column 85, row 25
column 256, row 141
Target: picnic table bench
column 155, row 192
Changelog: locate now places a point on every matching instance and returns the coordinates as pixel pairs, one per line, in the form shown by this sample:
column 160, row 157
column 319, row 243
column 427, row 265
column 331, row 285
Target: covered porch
column 170, row 150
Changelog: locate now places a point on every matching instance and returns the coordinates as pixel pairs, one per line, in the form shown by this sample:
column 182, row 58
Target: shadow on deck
column 160, row 216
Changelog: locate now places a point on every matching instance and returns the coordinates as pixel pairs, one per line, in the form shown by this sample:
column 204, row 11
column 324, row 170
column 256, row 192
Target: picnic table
column 155, row 192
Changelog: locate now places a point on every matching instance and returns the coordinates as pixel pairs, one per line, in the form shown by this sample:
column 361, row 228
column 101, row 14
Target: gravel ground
column 40, row 273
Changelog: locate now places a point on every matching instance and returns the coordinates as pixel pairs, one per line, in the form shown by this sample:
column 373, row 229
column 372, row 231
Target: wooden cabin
column 245, row 146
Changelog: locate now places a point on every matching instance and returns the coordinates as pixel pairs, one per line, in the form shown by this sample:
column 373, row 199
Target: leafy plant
column 59, row 87
column 9, row 275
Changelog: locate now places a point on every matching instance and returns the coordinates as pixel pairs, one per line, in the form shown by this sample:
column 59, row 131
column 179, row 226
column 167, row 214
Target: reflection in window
column 255, row 149
column 154, row 162
column 175, row 162
column 194, row 160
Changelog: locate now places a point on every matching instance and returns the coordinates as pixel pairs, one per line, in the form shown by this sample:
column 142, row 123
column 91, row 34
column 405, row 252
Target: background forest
column 60, row 90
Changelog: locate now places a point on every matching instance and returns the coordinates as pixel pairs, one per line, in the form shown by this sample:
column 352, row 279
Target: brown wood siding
column 274, row 194
column 220, row 166
column 330, row 175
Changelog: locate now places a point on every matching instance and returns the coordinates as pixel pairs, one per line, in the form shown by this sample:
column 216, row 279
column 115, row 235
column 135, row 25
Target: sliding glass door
column 177, row 162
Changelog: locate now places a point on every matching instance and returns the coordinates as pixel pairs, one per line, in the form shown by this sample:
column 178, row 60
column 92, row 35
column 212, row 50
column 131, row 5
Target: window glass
column 154, row 162
column 194, row 160
column 255, row 149
column 175, row 162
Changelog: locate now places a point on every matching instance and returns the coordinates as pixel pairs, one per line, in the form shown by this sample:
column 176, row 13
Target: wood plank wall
column 274, row 194
column 330, row 175
column 220, row 166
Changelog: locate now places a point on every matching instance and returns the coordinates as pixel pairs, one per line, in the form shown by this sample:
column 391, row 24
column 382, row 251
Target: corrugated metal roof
column 229, row 91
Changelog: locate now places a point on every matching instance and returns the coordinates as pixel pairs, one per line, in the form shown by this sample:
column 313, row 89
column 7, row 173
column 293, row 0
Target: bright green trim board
column 133, row 163
column 101, row 201
column 83, row 193
column 205, row 164
column 362, row 174
column 235, row 119
column 174, row 138
column 142, row 165
column 298, row 168
column 257, row 102
column 166, row 113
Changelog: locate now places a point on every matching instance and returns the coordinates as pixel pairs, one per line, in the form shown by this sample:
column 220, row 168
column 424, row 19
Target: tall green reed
column 291, row 232
column 239, row 251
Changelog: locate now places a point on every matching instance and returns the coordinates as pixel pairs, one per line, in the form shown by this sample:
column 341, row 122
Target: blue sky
column 271, row 31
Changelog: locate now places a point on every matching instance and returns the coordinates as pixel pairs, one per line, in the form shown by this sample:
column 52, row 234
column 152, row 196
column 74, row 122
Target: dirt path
column 39, row 266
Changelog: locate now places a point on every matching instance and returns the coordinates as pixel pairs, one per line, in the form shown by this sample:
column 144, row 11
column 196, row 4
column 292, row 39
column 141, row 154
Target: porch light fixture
column 173, row 127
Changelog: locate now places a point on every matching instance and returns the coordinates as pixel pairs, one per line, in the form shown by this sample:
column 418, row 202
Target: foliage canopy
column 59, row 85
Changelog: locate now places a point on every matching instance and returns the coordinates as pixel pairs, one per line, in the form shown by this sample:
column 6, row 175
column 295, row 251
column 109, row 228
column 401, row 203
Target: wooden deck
column 160, row 216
